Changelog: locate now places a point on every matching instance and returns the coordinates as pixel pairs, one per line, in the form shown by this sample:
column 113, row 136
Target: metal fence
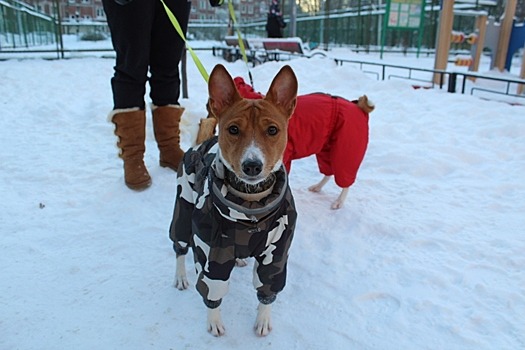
column 23, row 27
column 351, row 27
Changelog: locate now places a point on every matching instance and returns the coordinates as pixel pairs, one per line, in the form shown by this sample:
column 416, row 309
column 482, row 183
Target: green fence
column 352, row 27
column 21, row 26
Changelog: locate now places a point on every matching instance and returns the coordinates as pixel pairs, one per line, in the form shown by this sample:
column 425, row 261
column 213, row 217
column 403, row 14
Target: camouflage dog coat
column 221, row 227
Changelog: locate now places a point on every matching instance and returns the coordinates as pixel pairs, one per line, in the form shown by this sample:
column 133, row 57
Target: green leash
column 176, row 24
column 239, row 38
column 198, row 63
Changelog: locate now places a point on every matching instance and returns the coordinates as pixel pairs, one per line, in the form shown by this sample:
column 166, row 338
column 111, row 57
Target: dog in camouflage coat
column 233, row 199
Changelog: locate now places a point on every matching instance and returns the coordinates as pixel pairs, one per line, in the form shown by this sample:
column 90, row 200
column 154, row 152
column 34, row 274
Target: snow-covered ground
column 428, row 252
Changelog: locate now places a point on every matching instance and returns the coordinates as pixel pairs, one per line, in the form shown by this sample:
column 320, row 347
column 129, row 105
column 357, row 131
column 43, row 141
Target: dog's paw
column 240, row 262
column 181, row 282
column 263, row 323
column 337, row 204
column 216, row 329
column 319, row 186
column 315, row 188
column 215, row 325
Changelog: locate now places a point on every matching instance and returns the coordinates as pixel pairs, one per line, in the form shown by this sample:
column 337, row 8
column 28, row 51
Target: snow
column 428, row 252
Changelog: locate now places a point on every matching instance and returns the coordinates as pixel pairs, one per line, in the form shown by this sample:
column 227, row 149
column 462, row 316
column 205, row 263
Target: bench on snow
column 278, row 49
column 231, row 51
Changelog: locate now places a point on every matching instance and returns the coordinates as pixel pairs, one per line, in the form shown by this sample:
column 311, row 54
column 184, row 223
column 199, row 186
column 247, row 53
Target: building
column 76, row 11
column 72, row 10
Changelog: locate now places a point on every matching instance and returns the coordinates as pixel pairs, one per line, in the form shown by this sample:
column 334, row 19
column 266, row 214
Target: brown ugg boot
column 166, row 121
column 130, row 128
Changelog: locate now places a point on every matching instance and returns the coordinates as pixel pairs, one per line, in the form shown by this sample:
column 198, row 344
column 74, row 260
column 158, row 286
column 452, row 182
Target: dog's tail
column 365, row 104
column 206, row 127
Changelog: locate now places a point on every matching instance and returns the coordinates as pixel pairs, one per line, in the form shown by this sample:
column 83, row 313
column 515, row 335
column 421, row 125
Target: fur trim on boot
column 166, row 122
column 130, row 128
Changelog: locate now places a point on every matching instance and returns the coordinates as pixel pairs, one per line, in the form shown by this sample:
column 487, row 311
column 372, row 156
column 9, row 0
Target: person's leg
column 166, row 52
column 167, row 47
column 130, row 27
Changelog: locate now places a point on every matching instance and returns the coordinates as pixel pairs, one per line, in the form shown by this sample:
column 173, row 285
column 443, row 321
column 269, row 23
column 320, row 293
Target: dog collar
column 240, row 186
column 237, row 208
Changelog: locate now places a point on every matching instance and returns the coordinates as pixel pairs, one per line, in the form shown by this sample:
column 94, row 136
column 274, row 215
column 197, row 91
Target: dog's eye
column 234, row 130
column 272, row 130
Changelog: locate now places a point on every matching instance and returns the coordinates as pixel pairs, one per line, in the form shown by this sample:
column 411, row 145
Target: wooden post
column 446, row 19
column 481, row 25
column 522, row 76
column 504, row 35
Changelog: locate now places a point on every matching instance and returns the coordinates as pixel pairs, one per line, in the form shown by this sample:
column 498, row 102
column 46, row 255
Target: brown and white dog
column 233, row 199
column 332, row 128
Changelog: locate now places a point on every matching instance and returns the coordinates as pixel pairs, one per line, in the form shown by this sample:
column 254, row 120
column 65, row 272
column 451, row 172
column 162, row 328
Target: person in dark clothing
column 275, row 22
column 145, row 41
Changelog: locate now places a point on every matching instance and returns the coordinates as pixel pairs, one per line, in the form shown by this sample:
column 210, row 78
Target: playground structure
column 446, row 36
column 503, row 39
column 516, row 41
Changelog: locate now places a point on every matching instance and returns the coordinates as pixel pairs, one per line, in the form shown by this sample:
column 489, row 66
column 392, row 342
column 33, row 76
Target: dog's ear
column 283, row 90
column 222, row 90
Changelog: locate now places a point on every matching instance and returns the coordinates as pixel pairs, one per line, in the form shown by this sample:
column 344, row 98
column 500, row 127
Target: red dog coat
column 331, row 127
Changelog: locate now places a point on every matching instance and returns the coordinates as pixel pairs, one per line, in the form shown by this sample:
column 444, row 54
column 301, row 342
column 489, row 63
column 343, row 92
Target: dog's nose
column 252, row 167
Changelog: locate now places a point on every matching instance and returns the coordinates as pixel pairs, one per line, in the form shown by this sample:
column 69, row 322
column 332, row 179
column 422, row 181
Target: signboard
column 405, row 14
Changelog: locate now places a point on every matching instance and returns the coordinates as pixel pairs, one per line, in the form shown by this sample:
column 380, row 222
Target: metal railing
column 451, row 82
column 22, row 26
column 507, row 81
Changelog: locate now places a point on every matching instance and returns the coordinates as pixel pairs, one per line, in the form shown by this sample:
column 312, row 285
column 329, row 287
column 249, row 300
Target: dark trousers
column 144, row 39
column 274, row 27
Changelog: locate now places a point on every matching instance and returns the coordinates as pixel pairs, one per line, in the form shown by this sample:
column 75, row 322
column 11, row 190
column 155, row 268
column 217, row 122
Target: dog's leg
column 263, row 323
column 338, row 203
column 240, row 262
column 319, row 186
column 181, row 281
column 215, row 325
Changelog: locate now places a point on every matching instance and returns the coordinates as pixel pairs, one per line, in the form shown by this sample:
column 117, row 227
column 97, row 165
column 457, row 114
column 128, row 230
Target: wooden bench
column 232, row 52
column 278, row 49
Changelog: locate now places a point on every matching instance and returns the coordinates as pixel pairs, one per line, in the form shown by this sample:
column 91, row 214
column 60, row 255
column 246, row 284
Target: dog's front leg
column 338, row 203
column 181, row 281
column 240, row 262
column 263, row 323
column 215, row 325
column 319, row 186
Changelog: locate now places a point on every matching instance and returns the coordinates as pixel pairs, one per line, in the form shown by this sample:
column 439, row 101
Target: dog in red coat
column 332, row 128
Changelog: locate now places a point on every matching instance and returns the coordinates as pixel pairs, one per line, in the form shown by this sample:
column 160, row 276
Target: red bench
column 232, row 51
column 277, row 49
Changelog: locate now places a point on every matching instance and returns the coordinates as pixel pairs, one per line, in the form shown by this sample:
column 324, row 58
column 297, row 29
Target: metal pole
column 293, row 18
column 326, row 29
column 58, row 31
column 184, row 74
